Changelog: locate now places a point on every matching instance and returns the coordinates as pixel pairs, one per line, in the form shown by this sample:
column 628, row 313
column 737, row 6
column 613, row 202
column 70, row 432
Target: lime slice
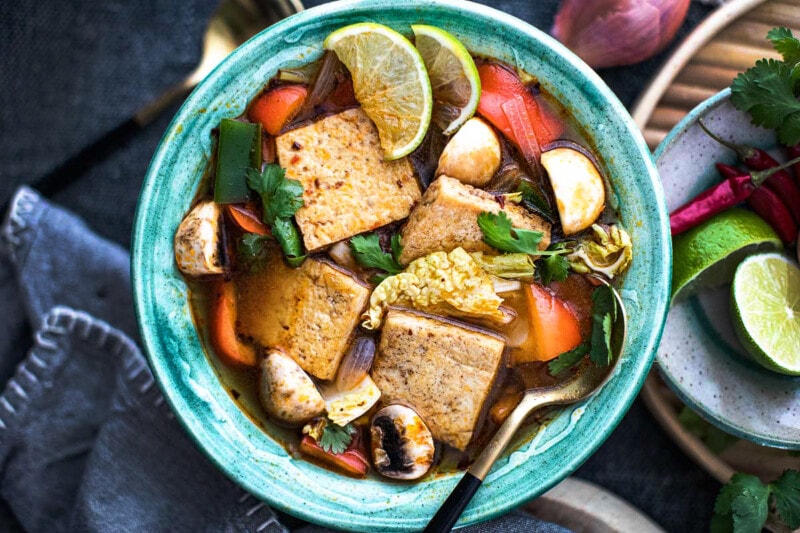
column 454, row 77
column 765, row 303
column 390, row 83
column 707, row 256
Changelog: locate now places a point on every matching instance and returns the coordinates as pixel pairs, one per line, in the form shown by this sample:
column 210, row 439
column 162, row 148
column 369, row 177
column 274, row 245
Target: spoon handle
column 454, row 505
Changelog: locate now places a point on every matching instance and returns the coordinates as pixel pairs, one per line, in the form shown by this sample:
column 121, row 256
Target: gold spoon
column 588, row 379
column 232, row 23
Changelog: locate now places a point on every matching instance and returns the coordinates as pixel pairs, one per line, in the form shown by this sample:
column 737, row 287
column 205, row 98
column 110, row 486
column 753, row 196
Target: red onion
column 609, row 33
column 356, row 364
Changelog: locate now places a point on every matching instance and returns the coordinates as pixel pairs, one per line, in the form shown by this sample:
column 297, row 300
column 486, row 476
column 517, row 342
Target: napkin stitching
column 35, row 373
column 22, row 205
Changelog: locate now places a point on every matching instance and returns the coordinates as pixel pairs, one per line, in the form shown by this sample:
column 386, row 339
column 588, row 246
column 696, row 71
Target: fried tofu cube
column 447, row 217
column 310, row 312
column 443, row 370
column 348, row 187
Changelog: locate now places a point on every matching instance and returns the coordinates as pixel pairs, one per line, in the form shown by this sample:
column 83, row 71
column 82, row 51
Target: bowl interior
column 543, row 455
column 700, row 356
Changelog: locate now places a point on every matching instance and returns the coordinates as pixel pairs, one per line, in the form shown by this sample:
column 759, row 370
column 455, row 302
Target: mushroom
column 473, row 154
column 286, row 392
column 402, row 445
column 198, row 242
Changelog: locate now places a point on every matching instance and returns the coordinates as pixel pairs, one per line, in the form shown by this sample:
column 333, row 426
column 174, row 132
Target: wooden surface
column 726, row 43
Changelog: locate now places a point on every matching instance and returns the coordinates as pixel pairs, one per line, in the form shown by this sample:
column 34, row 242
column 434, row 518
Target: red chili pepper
column 791, row 153
column 734, row 190
column 768, row 205
column 757, row 159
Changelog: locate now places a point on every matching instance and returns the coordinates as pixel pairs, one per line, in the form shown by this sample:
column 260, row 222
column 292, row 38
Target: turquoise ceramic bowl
column 541, row 456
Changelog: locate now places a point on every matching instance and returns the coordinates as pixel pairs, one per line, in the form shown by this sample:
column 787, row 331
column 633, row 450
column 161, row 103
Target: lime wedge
column 765, row 303
column 390, row 83
column 707, row 256
column 454, row 77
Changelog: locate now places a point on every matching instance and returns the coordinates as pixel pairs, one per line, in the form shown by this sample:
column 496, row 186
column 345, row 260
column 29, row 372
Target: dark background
column 70, row 71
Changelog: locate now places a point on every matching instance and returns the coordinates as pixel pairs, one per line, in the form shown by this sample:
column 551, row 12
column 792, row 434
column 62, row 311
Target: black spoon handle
column 451, row 509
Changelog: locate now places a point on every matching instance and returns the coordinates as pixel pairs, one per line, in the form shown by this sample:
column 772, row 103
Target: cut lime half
column 707, row 256
column 454, row 77
column 390, row 82
column 765, row 304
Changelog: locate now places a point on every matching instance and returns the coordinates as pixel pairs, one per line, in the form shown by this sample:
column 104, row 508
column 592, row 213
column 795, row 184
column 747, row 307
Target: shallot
column 356, row 363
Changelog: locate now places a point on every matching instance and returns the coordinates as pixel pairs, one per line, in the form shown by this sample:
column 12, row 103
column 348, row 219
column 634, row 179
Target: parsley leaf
column 535, row 201
column 786, row 490
column 335, row 438
column 742, row 505
column 604, row 314
column 554, row 267
column 281, row 198
column 252, row 250
column 567, row 360
column 368, row 253
column 785, row 44
column 498, row 233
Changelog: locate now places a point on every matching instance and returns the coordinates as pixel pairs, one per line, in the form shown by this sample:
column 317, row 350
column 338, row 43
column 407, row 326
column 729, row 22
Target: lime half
column 765, row 304
column 454, row 77
column 390, row 83
column 707, row 256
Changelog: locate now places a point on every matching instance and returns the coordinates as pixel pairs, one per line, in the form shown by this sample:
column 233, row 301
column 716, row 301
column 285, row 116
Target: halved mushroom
column 402, row 445
column 199, row 249
column 286, row 392
column 473, row 154
column 577, row 184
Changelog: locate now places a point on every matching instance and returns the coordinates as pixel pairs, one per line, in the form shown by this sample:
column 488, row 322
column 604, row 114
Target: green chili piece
column 239, row 148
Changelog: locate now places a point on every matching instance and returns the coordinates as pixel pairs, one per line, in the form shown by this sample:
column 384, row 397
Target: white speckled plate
column 699, row 355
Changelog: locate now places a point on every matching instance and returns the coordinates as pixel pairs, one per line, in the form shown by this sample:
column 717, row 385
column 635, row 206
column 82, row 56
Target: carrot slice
column 351, row 461
column 500, row 85
column 222, row 327
column 246, row 219
column 274, row 108
column 554, row 327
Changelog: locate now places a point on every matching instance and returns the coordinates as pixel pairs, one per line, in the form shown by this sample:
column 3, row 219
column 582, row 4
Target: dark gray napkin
column 87, row 442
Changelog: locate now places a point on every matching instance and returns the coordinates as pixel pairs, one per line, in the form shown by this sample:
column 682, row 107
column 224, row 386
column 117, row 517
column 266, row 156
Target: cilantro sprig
column 335, row 439
column 369, row 254
column 604, row 314
column 499, row 233
column 768, row 91
column 280, row 198
column 554, row 267
column 252, row 251
column 743, row 503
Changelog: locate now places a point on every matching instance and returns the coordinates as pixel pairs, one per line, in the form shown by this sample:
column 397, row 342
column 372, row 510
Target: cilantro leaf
column 498, row 233
column 785, row 44
column 789, row 131
column 288, row 237
column 742, row 505
column 335, row 438
column 252, row 250
column 604, row 314
column 281, row 197
column 786, row 490
column 397, row 248
column 766, row 91
column 368, row 253
column 554, row 267
column 567, row 360
column 535, row 201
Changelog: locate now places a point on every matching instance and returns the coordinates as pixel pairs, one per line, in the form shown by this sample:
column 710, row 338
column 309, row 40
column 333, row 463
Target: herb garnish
column 768, row 90
column 499, row 233
column 335, row 438
column 743, row 503
column 281, row 198
column 535, row 201
column 604, row 314
column 369, row 254
column 252, row 250
column 554, row 267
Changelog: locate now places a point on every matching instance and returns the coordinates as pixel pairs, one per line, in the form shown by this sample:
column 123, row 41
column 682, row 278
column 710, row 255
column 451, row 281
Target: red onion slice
column 356, row 363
